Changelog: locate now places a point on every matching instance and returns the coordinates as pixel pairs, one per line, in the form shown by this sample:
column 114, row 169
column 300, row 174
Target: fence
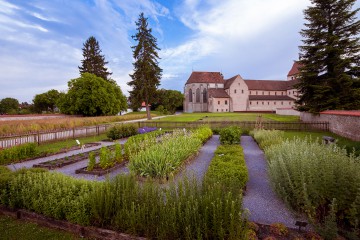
column 40, row 137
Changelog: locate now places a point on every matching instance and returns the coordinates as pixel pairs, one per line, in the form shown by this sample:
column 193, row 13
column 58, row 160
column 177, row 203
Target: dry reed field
column 27, row 126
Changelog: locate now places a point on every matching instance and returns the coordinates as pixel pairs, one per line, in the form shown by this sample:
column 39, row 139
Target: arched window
column 204, row 95
column 198, row 95
column 190, row 96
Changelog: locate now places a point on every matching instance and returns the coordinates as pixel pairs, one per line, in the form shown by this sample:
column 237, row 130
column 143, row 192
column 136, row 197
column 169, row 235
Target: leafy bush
column 121, row 131
column 230, row 135
column 17, row 153
column 228, row 167
column 203, row 133
column 92, row 161
column 310, row 176
column 191, row 211
column 106, row 159
column 267, row 138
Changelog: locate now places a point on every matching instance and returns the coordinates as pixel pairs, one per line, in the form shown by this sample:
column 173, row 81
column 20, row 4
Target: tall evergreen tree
column 147, row 73
column 330, row 57
column 93, row 61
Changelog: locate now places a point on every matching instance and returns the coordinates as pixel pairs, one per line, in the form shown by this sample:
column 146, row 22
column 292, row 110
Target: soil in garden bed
column 99, row 171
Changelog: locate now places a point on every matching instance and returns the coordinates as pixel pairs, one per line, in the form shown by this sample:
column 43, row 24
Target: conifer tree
column 147, row 73
column 330, row 57
column 93, row 61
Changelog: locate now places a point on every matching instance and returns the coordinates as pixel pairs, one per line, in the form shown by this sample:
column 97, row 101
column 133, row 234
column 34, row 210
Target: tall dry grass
column 30, row 126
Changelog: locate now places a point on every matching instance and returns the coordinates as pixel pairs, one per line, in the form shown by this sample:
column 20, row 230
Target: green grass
column 341, row 141
column 57, row 146
column 11, row 228
column 220, row 117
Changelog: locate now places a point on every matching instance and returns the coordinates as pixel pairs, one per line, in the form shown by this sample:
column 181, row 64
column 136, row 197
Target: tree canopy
column 330, row 57
column 93, row 61
column 90, row 95
column 170, row 100
column 147, row 73
column 9, row 106
column 46, row 101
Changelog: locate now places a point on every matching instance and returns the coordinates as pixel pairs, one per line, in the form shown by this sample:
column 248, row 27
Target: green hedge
column 228, row 167
column 121, row 131
column 17, row 153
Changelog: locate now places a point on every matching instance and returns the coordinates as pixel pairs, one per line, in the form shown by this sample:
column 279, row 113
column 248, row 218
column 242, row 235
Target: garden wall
column 343, row 123
column 287, row 111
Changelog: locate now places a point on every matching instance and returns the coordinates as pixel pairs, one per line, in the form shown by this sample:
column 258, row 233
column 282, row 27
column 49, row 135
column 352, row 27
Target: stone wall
column 287, row 111
column 344, row 125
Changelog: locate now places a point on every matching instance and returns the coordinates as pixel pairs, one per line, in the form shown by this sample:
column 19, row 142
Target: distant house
column 210, row 92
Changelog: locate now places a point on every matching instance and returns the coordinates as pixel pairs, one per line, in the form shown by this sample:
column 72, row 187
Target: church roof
column 270, row 97
column 205, row 77
column 217, row 93
column 294, row 69
column 270, row 85
column 230, row 81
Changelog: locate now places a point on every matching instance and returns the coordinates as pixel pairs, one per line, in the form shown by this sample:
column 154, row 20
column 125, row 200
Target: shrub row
column 190, row 211
column 17, row 153
column 228, row 167
column 267, row 138
column 320, row 180
column 121, row 131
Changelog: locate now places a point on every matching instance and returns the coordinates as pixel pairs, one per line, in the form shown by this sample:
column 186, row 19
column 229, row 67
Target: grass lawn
column 11, row 228
column 221, row 117
column 341, row 141
column 57, row 146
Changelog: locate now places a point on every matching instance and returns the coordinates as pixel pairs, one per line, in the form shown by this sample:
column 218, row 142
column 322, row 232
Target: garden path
column 262, row 202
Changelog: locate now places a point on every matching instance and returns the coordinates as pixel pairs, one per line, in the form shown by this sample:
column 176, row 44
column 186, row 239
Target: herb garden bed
column 98, row 171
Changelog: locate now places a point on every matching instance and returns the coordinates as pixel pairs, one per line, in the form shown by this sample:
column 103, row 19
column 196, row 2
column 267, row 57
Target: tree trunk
column 148, row 111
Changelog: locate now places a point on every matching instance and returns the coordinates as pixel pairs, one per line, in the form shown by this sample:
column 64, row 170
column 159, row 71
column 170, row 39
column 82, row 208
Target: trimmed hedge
column 121, row 131
column 228, row 167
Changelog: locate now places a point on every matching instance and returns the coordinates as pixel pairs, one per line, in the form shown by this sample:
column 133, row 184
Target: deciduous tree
column 147, row 73
column 9, row 106
column 330, row 57
column 90, row 95
column 46, row 101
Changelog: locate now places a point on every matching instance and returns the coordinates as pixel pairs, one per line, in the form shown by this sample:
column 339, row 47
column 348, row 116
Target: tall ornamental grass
column 312, row 177
column 267, row 138
column 161, row 160
column 140, row 142
column 185, row 211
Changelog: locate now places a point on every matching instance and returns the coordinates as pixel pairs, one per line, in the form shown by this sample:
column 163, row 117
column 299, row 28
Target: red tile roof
column 294, row 69
column 230, row 81
column 271, row 97
column 205, row 77
column 343, row 112
column 267, row 85
column 217, row 93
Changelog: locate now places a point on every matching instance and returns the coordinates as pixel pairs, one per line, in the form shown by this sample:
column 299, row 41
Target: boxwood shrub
column 121, row 131
column 228, row 167
column 230, row 135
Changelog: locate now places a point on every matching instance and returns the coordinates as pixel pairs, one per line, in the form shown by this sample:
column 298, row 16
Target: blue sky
column 41, row 40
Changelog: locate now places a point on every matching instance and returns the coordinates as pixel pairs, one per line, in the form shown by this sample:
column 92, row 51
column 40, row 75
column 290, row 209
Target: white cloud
column 8, row 8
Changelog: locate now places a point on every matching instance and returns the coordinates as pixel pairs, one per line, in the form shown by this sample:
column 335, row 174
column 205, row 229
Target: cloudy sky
column 41, row 40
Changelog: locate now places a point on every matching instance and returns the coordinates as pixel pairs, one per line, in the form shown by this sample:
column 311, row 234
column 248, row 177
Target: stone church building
column 210, row 92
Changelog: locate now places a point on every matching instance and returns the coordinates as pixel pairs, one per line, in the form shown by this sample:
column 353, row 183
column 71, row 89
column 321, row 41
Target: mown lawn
column 317, row 136
column 221, row 117
column 13, row 229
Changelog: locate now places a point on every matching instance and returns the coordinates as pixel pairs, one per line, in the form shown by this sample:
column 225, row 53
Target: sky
column 41, row 40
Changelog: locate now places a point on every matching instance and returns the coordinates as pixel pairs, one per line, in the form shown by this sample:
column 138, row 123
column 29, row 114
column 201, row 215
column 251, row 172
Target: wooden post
column 38, row 138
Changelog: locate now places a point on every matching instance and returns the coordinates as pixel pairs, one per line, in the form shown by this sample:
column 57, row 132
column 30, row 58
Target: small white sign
column 77, row 141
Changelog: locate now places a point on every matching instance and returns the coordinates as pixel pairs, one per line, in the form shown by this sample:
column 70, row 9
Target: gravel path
column 30, row 163
column 262, row 202
column 198, row 166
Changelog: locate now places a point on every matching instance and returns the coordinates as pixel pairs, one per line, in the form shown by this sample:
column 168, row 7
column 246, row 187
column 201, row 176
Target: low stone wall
column 346, row 125
column 287, row 111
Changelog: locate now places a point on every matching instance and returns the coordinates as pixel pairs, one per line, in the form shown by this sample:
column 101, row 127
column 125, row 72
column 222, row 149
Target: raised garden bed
column 99, row 171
